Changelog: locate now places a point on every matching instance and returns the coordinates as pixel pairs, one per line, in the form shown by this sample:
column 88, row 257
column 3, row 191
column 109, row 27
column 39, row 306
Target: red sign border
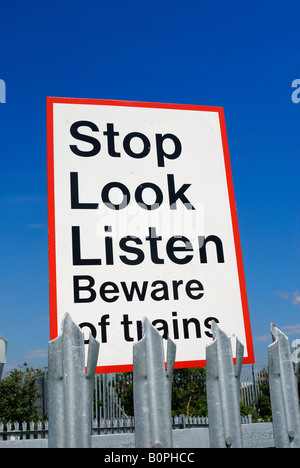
column 51, row 218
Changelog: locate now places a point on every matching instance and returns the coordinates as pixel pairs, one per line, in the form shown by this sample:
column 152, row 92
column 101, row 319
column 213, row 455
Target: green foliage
column 18, row 394
column 245, row 410
column 189, row 392
column 263, row 399
column 124, row 389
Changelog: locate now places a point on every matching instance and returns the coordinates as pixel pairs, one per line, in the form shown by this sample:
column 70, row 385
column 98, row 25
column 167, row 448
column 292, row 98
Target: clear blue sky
column 240, row 55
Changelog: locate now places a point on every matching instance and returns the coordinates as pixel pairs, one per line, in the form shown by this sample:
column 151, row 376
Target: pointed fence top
column 277, row 333
column 68, row 324
column 69, row 345
column 152, row 339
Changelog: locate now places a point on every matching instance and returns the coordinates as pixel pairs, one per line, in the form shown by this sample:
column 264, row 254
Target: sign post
column 142, row 223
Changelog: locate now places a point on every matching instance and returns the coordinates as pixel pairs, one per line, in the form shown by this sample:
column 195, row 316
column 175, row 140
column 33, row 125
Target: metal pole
column 254, row 388
column 104, row 387
column 152, row 386
column 70, row 389
column 223, row 383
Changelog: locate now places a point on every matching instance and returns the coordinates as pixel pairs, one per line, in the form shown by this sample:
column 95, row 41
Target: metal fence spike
column 273, row 331
column 152, row 389
column 239, row 359
column 70, row 389
column 283, row 391
column 222, row 382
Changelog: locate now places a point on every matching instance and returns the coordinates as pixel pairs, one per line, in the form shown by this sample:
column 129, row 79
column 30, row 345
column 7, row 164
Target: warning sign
column 142, row 223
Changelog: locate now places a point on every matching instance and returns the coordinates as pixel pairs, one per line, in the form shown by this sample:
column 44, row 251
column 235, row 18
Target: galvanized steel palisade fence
column 284, row 391
column 106, row 401
column 253, row 380
column 39, row 429
column 152, row 386
column 70, row 388
column 17, row 431
column 70, row 397
column 222, row 382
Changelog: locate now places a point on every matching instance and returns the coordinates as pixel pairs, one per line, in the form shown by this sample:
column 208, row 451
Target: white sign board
column 142, row 223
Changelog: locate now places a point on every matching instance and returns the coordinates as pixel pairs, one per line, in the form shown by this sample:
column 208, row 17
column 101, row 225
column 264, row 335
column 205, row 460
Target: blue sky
column 240, row 55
